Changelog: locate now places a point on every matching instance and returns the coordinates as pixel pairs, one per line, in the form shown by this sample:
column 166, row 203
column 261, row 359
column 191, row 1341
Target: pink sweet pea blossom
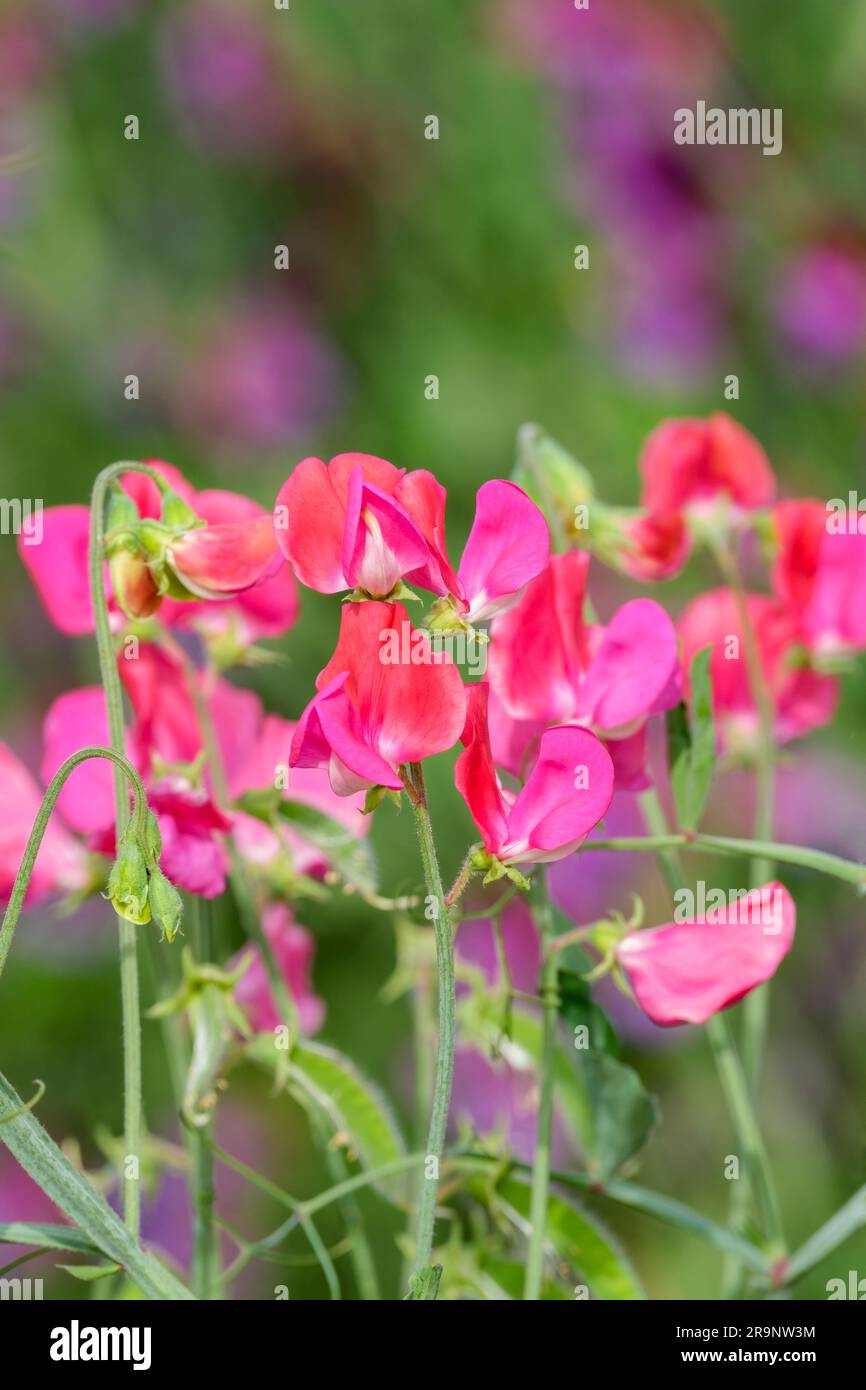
column 61, row 864
column 232, row 565
column 360, row 523
column 820, row 571
column 656, row 546
column 547, row 666
column 565, row 796
column 803, row 699
column 190, row 823
column 386, row 698
column 685, row 972
column 690, row 463
column 293, row 950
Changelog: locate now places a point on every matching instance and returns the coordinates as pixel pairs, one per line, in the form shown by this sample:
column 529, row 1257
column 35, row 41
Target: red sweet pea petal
column 685, row 972
column 540, row 646
column 226, row 558
column 684, row 462
column 424, row 499
column 410, row 701
column 380, row 541
column 474, row 773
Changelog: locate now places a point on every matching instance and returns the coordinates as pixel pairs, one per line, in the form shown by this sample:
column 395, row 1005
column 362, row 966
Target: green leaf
column 46, row 1236
column 509, row 1276
column 579, row 1010
column 622, row 1112
column 88, row 1274
column 842, row 1224
column 39, row 1156
column 579, row 1238
column 602, row 1100
column 353, row 1104
column 692, row 744
column 351, row 857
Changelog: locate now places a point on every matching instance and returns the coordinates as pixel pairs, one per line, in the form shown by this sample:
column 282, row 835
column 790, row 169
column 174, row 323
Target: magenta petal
column 687, row 971
column 61, row 864
column 634, row 666
column 58, row 566
column 380, row 543
column 566, row 795
column 508, row 546
column 76, row 720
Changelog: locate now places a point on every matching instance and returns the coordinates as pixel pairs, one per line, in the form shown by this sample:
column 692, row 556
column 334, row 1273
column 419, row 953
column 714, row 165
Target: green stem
column 800, row 855
column 627, row 1194
column 739, row 1099
column 129, row 993
column 205, row 1270
column 734, row 1085
column 414, row 782
column 756, row 1006
column 40, row 824
column 541, row 1161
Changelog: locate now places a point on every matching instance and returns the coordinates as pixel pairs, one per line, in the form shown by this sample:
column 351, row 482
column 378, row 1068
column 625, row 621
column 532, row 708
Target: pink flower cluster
column 558, row 725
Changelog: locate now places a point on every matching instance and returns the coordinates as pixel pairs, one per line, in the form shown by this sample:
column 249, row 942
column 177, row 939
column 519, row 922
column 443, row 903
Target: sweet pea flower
column 360, row 523
column 820, row 571
column 687, row 971
column 565, row 796
column 689, row 464
column 293, row 949
column 803, row 700
column 190, row 823
column 385, row 698
column 231, row 563
column 547, row 666
column 655, row 546
column 61, row 864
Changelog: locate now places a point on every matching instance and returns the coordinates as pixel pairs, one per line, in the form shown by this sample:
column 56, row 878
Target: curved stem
column 801, row 855
column 414, row 782
column 129, row 993
column 40, row 824
column 541, row 1161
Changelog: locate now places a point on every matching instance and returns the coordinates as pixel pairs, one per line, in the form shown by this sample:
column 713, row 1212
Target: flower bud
column 152, row 838
column 550, row 475
column 132, row 582
column 128, row 883
column 166, row 903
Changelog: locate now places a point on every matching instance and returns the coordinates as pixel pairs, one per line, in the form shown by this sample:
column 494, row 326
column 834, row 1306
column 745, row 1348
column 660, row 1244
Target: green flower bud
column 166, row 903
column 121, row 513
column 152, row 838
column 177, row 513
column 128, row 883
column 550, row 474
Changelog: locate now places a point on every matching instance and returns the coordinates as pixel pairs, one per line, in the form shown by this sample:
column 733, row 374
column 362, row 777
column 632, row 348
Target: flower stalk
column 414, row 783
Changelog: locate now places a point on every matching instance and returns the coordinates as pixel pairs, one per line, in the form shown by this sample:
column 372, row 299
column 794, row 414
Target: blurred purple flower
column 223, row 78
column 263, row 378
column 821, row 305
column 496, row 1097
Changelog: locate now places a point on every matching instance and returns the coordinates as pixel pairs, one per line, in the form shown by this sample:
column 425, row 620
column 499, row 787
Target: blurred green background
column 410, row 258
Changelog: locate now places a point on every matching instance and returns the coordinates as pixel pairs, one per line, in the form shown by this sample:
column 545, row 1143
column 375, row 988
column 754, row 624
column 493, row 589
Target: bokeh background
column 412, row 257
